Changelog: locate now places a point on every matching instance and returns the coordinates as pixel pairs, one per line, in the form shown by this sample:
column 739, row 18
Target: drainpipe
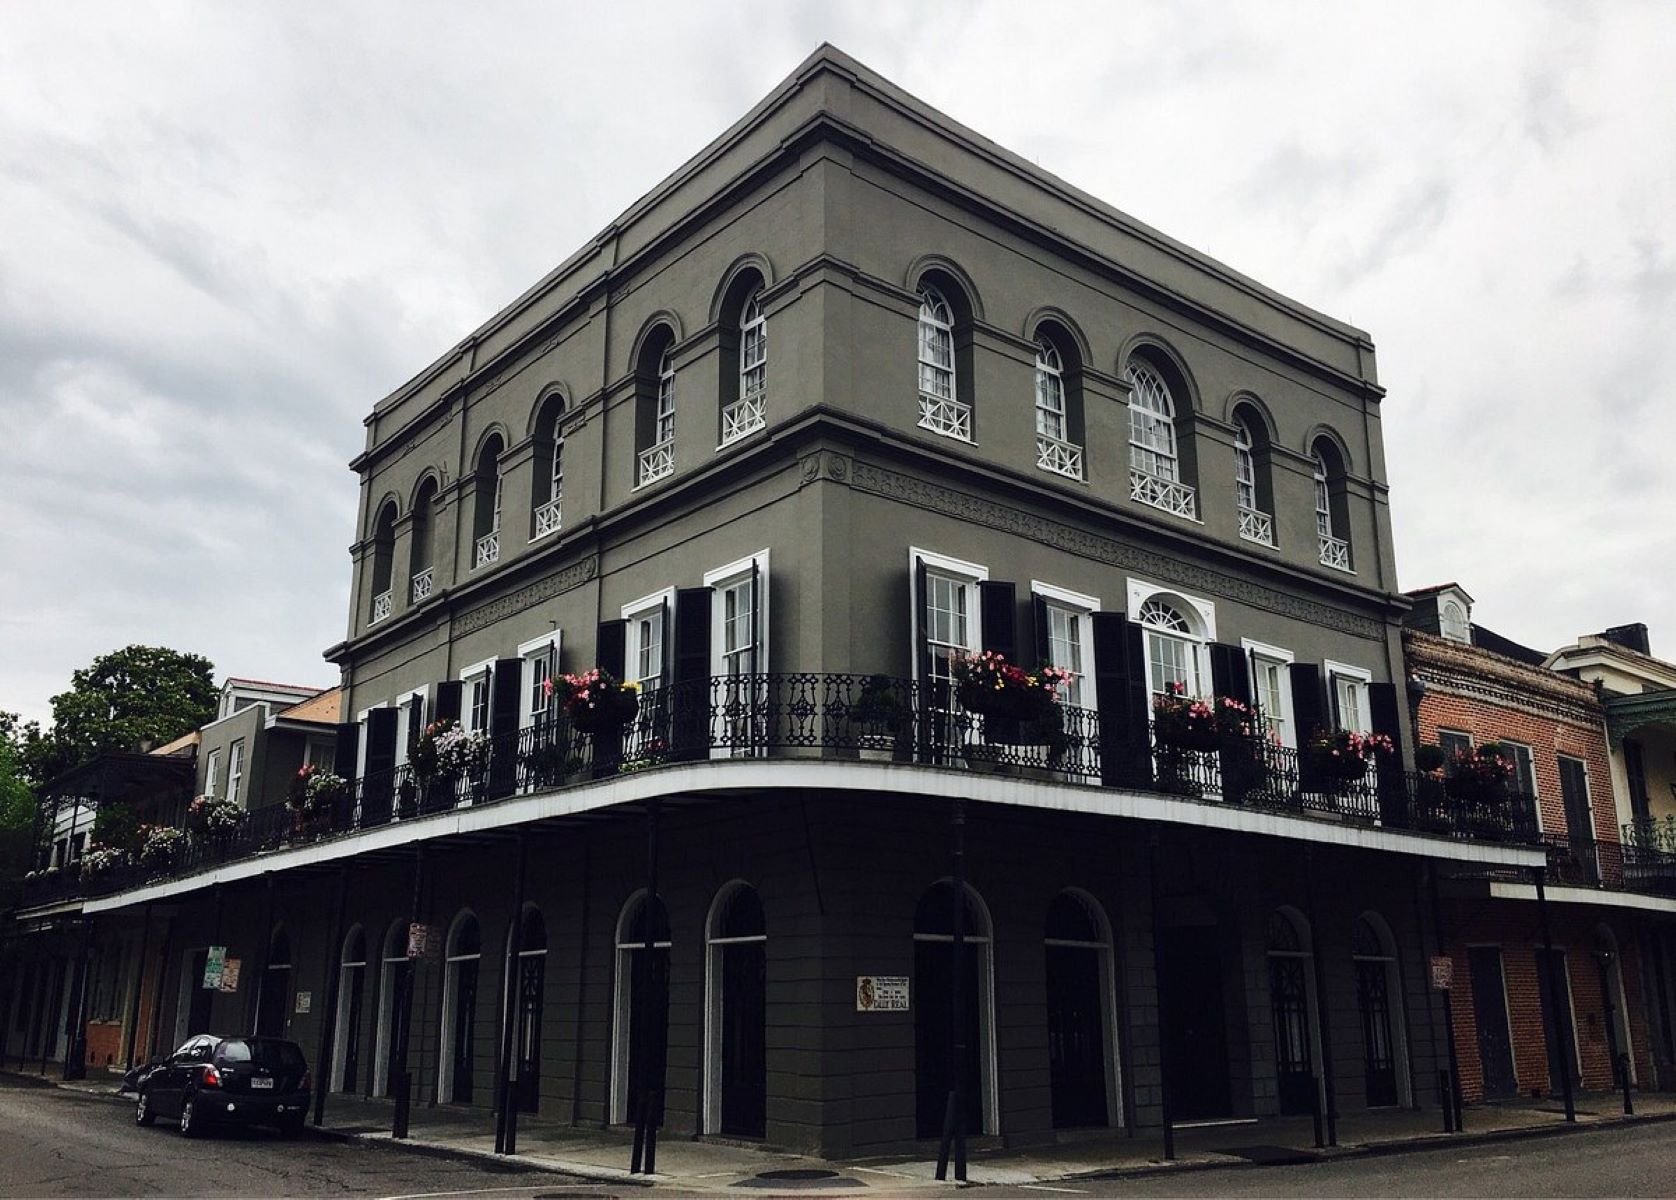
column 1556, row 998
column 954, row 1114
column 329, row 1017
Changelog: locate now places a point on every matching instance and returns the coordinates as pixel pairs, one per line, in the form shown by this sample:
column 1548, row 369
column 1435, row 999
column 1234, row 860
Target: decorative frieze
column 573, row 576
column 937, row 498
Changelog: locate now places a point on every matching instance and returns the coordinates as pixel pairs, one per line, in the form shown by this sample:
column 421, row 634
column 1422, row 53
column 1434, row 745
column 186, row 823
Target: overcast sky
column 227, row 229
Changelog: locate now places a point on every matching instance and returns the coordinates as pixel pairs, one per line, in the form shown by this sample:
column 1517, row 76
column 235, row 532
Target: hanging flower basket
column 1183, row 722
column 987, row 685
column 1344, row 756
column 596, row 702
column 1479, row 775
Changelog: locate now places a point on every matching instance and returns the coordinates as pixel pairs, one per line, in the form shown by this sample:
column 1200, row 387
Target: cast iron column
column 75, row 1046
column 644, row 1159
column 1454, row 1099
column 329, row 1016
column 1158, row 992
column 954, row 1113
column 506, row 1127
column 1556, row 998
column 253, row 1006
column 1321, row 999
column 404, row 1085
column 133, row 1027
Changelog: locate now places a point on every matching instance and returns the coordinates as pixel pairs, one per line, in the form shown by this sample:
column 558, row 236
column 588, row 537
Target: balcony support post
column 329, row 1017
column 75, row 1036
column 1321, row 1004
column 506, row 1124
column 131, row 1020
column 644, row 1157
column 954, row 1113
column 1454, row 1099
column 1162, row 1000
column 404, row 1084
column 253, row 1006
column 1556, row 998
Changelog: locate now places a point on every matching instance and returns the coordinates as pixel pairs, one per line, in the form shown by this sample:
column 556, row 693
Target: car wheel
column 188, row 1127
column 142, row 1110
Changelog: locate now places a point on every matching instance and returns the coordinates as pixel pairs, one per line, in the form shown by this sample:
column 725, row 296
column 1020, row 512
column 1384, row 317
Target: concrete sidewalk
column 709, row 1165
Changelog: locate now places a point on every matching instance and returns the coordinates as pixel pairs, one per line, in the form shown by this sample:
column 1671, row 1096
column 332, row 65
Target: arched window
column 746, row 412
column 273, row 1004
column 486, row 514
column 1292, row 999
column 1331, row 519
column 1155, row 468
column 1251, row 479
column 1453, row 623
column 422, row 575
column 1174, row 648
column 1058, row 411
column 547, row 497
column 457, row 1056
column 942, row 408
column 1379, row 1002
column 531, row 981
column 1620, row 1045
column 640, row 1030
column 1082, row 1071
column 383, row 560
column 352, row 982
column 654, row 432
column 936, row 976
column 736, row 1014
column 394, row 967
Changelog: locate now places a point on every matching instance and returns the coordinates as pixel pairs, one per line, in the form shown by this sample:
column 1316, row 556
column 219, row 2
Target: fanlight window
column 1172, row 651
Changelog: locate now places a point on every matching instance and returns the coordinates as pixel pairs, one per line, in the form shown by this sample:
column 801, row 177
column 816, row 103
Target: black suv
column 228, row 1081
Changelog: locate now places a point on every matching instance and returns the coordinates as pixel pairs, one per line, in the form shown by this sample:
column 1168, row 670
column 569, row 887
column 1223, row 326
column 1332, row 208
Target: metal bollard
column 1446, row 1100
column 1315, row 1114
column 1623, row 1075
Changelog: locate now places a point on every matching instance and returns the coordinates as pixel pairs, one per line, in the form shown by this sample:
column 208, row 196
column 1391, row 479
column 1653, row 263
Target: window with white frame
column 665, row 429
column 948, row 621
column 541, row 664
column 1070, row 640
column 1050, row 391
column 644, row 649
column 739, row 650
column 1323, row 498
column 1172, row 650
column 212, row 773
column 1524, row 767
column 746, row 414
column 1348, row 687
column 1152, row 431
column 321, row 754
column 940, row 407
column 1453, row 623
column 1271, row 688
column 235, row 770
column 410, row 722
column 478, row 697
column 1256, row 525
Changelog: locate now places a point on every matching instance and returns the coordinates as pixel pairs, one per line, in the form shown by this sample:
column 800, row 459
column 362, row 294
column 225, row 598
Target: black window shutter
column 759, row 593
column 450, row 696
column 690, row 715
column 921, row 600
column 504, row 700
column 1228, row 673
column 611, row 647
column 998, row 603
column 1386, row 719
column 1039, row 631
column 1308, row 711
column 1120, row 690
column 378, row 788
column 348, row 749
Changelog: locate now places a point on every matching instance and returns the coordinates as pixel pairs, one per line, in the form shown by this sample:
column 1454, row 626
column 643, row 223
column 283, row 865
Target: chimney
column 1632, row 636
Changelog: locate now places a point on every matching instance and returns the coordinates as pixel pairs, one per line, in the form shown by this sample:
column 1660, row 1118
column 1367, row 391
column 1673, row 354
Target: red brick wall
column 104, row 1044
column 1513, row 926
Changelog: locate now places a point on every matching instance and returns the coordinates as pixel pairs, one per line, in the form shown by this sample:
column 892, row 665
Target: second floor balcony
column 487, row 550
column 422, row 584
column 1171, row 495
column 905, row 724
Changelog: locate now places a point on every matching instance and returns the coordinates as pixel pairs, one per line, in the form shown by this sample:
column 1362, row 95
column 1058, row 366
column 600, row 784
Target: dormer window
column 1452, row 621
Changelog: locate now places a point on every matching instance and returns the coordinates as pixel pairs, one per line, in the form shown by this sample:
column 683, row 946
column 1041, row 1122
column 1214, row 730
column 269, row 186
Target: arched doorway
column 352, row 980
column 1290, row 998
column 1081, row 1071
column 274, row 1001
column 1616, row 1015
column 394, row 966
column 532, row 987
column 640, row 1047
column 1379, row 1002
column 457, row 1055
column 935, row 978
column 736, row 1041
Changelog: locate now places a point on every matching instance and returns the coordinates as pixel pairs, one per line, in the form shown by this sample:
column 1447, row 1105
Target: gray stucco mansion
column 850, row 394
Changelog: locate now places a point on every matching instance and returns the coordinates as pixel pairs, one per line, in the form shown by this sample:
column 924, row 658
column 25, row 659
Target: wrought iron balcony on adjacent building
column 853, row 717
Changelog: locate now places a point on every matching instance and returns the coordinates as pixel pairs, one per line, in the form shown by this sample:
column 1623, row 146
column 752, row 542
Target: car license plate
column 262, row 1083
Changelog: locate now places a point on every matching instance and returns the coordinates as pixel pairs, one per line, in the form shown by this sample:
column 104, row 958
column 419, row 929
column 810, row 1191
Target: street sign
column 881, row 993
column 1443, row 972
column 230, row 975
column 214, row 963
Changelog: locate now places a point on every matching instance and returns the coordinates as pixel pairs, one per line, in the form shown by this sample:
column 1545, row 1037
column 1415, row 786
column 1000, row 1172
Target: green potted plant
column 878, row 718
column 1184, row 723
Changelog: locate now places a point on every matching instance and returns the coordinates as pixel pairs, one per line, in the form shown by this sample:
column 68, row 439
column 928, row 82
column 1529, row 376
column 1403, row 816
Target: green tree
column 122, row 700
column 17, row 812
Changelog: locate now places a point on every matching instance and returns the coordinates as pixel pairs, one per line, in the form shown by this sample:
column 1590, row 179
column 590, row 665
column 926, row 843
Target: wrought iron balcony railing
column 488, row 549
column 422, row 584
column 1256, row 526
column 837, row 717
column 657, row 461
column 548, row 518
column 1062, row 458
column 1171, row 495
column 1335, row 552
column 381, row 606
column 1649, row 854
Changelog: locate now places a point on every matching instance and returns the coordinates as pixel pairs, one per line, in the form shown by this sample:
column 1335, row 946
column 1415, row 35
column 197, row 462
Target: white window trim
column 1088, row 606
column 361, row 741
column 212, row 769
column 1255, row 650
column 1139, row 591
column 973, row 573
column 235, row 777
column 1530, row 753
column 468, row 677
column 526, row 652
column 1361, row 675
column 403, row 734
column 665, row 600
column 718, row 581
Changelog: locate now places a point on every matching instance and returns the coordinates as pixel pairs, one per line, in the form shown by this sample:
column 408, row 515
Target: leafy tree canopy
column 17, row 810
column 122, row 699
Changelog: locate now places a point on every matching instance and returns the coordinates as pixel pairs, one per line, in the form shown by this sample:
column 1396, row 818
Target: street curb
column 1439, row 1141
column 496, row 1162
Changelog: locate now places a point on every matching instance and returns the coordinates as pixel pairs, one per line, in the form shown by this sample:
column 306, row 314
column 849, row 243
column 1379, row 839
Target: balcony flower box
column 1479, row 775
column 989, row 686
column 1343, row 757
column 161, row 848
column 1184, row 723
column 215, row 820
column 597, row 703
